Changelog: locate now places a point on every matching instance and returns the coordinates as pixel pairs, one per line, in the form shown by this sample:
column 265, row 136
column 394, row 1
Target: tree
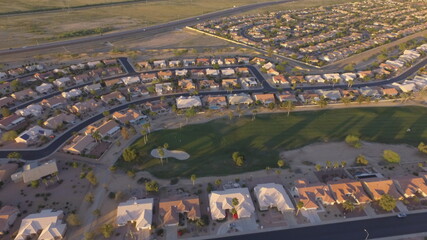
column 89, row 197
column 235, row 202
column 97, row 136
column 254, row 112
column 422, row 147
column 129, row 154
column 191, row 112
column 15, row 84
column 125, row 133
column 349, row 68
column 348, row 206
column 14, row 155
column 281, row 163
column 90, row 176
column 346, row 100
column 289, row 106
column 343, row 164
column 144, row 134
column 300, row 205
column 328, row 164
column 9, row 136
column 353, row 141
column 35, row 184
column 107, row 230
column 106, row 113
column 318, row 167
column 361, row 160
column 89, row 236
column 336, row 164
column 161, row 153
column 387, row 202
column 218, row 182
column 5, row 112
column 96, row 212
column 193, row 178
column 73, row 220
column 152, row 186
column 391, row 156
column 322, row 102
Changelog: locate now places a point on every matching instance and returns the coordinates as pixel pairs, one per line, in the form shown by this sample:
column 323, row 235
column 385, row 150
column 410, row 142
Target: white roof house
column 330, row 94
column 369, row 92
column 72, row 93
column 181, row 72
column 396, row 63
column 93, row 87
column 188, row 102
column 212, row 72
column 33, row 134
column 221, row 201
column 422, row 48
column 271, row 195
column 131, row 80
column 138, row 211
column 93, row 64
column 61, row 82
column 248, row 82
column 33, row 109
column 241, row 98
column 314, row 79
column 32, row 172
column 159, row 63
column 406, row 86
column 48, row 222
column 44, row 88
column 174, row 63
column 331, row 76
column 420, row 82
column 348, row 76
column 163, row 87
column 268, row 65
column 227, row 72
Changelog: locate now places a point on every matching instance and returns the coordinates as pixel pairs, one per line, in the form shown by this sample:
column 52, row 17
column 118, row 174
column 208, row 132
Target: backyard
column 210, row 145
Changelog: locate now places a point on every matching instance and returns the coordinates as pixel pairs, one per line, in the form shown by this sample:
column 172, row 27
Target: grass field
column 210, row 145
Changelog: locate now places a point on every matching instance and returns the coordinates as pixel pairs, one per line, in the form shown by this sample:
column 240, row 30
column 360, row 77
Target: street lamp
column 367, row 234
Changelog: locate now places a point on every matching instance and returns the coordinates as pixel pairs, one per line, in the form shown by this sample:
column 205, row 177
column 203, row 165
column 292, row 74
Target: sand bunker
column 179, row 155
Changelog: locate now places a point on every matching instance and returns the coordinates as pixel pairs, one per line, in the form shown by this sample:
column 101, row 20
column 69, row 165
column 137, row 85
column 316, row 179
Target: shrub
column 353, row 141
column 361, row 160
column 391, row 156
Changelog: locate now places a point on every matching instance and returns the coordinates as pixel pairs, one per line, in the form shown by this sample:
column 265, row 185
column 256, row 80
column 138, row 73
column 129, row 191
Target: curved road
column 148, row 31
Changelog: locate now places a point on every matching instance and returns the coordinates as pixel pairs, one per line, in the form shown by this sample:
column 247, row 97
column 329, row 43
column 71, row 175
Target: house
column 229, row 61
column 62, row 82
column 159, row 64
column 411, row 186
column 272, row 72
column 217, row 61
column 188, row 62
column 30, row 110
column 44, row 76
column 6, row 101
column 56, row 121
column 332, row 77
column 54, row 102
column 33, row 134
column 148, row 77
column 47, row 225
column 94, row 87
column 197, row 73
column 369, row 92
column 265, row 98
column 72, row 93
column 81, row 144
column 296, row 79
column 364, row 74
column 158, row 107
column 109, row 62
column 202, row 61
column 169, row 210
column 309, row 97
column 188, row 102
column 279, row 79
column 6, row 170
column 212, row 72
column 230, row 83
column 5, row 87
column 312, row 195
column 215, row 102
column 348, row 190
column 131, row 80
column 44, row 88
column 174, row 63
column 12, row 122
column 406, row 86
column 186, row 84
column 34, row 171
column 112, row 82
column 248, row 82
column 222, row 201
column 287, row 96
column 165, row 75
column 79, row 66
column 87, row 106
column 181, row 72
column 228, row 72
column 272, row 195
column 94, row 64
column 208, row 84
column 237, row 99
column 268, row 66
column 348, row 76
column 314, row 79
column 105, row 129
column 24, row 94
column 136, row 211
column 258, row 60
column 389, row 91
column 8, row 215
column 333, row 95
column 137, row 91
column 242, row 70
column 163, row 88
column 243, row 60
column 352, row 94
column 144, row 65
column 113, row 96
column 129, row 116
column 376, row 188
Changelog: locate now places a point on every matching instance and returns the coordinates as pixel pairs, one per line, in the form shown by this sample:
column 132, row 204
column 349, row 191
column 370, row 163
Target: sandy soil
column 180, row 155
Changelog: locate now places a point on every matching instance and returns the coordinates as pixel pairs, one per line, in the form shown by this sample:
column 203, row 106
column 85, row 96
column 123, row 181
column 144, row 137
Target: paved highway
column 352, row 230
column 28, row 154
column 148, row 31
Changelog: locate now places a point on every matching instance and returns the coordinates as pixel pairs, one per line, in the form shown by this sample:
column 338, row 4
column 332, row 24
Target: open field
column 211, row 144
column 43, row 27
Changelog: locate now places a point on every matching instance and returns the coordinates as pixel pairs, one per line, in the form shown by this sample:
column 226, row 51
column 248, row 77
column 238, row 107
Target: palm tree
column 97, row 136
column 322, row 102
column 254, row 112
column 193, row 178
column 350, row 83
column 147, row 126
column 161, row 153
column 300, row 205
column 343, row 164
column 348, row 206
column 328, row 164
column 218, row 182
column 144, row 134
column 346, row 100
column 280, row 163
column 289, row 106
column 235, row 202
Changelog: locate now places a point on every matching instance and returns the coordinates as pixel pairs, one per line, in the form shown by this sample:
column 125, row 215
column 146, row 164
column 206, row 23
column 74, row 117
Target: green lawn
column 211, row 144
